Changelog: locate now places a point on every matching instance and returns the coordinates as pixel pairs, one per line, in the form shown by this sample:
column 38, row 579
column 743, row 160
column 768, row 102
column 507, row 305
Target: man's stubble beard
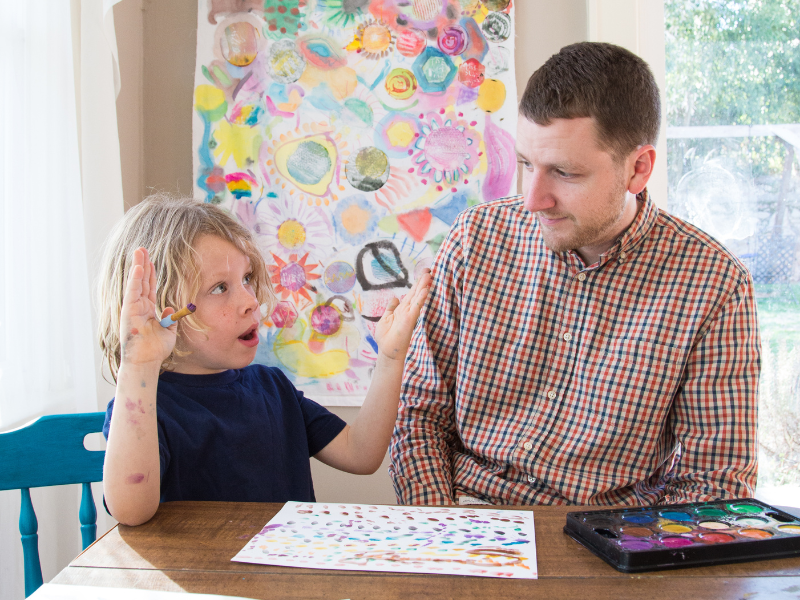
column 590, row 233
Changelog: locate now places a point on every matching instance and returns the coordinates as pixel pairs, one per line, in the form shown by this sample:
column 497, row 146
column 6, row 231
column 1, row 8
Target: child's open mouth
column 250, row 337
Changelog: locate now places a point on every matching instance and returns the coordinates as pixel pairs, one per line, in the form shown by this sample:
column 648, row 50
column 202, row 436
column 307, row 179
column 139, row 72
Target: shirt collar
column 627, row 242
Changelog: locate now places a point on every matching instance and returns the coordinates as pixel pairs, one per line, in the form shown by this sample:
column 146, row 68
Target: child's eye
column 220, row 289
column 524, row 163
column 247, row 279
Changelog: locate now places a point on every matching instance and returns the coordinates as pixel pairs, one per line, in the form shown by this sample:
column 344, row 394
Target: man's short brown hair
column 603, row 81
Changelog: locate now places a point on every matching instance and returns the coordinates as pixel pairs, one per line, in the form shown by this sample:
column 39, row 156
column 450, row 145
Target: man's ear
column 642, row 160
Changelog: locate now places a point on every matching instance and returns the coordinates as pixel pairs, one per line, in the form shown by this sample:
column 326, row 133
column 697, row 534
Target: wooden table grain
column 188, row 546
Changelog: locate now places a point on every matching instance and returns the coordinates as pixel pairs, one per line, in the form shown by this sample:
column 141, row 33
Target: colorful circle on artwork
column 239, row 43
column 325, row 319
column 495, row 5
column 369, row 170
column 291, row 234
column 471, row 73
column 339, row 277
column 286, row 64
column 401, row 83
column 411, row 42
column 376, row 37
column 497, row 61
column 397, row 133
column 308, row 163
column 452, row 40
column 491, row 95
column 496, row 27
column 321, row 53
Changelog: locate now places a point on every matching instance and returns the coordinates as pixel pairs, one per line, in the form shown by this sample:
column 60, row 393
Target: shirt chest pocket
column 632, row 383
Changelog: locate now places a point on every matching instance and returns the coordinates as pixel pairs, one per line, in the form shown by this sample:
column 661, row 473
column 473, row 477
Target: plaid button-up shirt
column 534, row 379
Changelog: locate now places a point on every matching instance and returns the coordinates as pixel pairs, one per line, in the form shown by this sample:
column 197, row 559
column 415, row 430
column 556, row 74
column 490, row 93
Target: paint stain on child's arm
column 137, row 478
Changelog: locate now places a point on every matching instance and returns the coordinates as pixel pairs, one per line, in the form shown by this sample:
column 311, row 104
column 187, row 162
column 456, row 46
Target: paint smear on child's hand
column 135, row 478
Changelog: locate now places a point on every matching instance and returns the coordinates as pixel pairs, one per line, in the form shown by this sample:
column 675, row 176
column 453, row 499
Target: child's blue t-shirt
column 243, row 435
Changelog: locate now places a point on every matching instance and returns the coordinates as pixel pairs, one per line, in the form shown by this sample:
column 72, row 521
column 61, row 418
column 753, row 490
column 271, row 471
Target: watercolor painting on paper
column 399, row 539
column 348, row 135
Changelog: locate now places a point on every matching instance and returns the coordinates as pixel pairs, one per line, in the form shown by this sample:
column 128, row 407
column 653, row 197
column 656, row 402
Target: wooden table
column 189, row 545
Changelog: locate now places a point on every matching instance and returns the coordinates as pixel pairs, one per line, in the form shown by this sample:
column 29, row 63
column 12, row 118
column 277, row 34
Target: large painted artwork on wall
column 348, row 135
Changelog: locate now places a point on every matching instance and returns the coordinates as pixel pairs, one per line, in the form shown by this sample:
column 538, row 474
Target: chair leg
column 88, row 516
column 29, row 527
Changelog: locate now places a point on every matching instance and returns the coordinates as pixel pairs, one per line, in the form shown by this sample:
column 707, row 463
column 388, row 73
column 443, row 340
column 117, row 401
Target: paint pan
column 684, row 535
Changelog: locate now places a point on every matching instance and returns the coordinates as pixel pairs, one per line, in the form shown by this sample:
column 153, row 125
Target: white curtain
column 57, row 126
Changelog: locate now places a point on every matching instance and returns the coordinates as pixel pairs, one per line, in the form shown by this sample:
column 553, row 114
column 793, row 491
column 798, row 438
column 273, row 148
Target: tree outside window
column 733, row 139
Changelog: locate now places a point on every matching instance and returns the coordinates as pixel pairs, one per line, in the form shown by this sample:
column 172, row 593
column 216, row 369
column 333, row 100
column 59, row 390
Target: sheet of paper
column 51, row 591
column 405, row 539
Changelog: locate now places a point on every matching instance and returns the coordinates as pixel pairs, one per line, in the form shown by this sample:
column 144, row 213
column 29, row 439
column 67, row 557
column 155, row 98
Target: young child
column 192, row 419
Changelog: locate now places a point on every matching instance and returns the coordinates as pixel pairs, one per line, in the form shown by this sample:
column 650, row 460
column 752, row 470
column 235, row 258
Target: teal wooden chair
column 47, row 452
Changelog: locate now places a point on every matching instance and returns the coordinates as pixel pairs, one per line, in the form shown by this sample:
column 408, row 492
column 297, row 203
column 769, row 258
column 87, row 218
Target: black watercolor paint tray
column 684, row 535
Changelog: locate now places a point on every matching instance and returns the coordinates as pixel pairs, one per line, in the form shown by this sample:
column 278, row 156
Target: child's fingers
column 133, row 288
column 153, row 282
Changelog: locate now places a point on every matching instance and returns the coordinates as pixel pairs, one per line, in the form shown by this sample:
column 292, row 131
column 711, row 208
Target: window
column 733, row 139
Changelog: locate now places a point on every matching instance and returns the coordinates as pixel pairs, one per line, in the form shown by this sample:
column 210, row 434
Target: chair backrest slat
column 48, row 452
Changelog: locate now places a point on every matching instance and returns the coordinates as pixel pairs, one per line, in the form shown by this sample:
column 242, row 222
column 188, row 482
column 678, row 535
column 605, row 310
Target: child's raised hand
column 142, row 338
column 393, row 332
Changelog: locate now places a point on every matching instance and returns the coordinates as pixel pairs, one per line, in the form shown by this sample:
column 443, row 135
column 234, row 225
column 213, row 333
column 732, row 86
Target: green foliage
column 732, row 63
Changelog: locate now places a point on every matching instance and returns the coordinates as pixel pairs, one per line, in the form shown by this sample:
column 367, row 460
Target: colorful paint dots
column 756, row 534
column 713, row 525
column 636, row 531
column 239, row 43
column 638, row 518
column 792, row 529
column 496, row 27
column 369, row 170
column 286, row 64
column 745, row 509
column 716, row 538
column 491, row 95
column 339, row 277
column 452, row 40
column 410, row 42
column 325, row 319
column 284, row 315
column 676, row 516
column 401, row 83
column 751, row 521
column 676, row 542
column 674, row 528
column 471, row 73
column 711, row 512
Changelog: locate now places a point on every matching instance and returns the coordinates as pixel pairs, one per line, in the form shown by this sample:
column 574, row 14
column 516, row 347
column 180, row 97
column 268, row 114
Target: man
column 580, row 346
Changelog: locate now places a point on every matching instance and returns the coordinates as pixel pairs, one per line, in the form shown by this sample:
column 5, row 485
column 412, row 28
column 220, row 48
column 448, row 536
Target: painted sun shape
column 291, row 227
column 373, row 40
column 343, row 13
column 307, row 160
column 448, row 148
column 292, row 277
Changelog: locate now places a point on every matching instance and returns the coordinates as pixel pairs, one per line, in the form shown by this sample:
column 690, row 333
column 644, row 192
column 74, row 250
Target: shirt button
column 527, row 446
column 567, row 337
column 552, row 394
column 581, row 276
column 623, row 256
column 531, row 479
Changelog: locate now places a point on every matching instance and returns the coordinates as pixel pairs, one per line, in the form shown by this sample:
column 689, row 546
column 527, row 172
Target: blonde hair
column 168, row 227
